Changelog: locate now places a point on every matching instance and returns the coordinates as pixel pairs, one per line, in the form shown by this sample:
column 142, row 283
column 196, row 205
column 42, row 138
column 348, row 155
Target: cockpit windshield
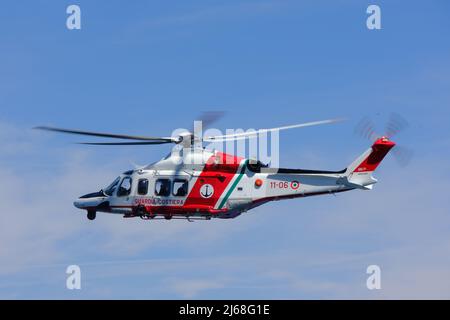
column 112, row 187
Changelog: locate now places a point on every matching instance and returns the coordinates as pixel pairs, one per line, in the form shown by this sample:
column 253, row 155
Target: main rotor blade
column 106, row 135
column 244, row 135
column 209, row 117
column 142, row 143
column 206, row 118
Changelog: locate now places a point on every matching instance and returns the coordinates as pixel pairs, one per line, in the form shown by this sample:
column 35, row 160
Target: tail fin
column 359, row 173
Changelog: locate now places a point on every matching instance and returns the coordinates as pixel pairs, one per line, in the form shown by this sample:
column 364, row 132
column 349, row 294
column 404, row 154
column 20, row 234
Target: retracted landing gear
column 143, row 213
column 91, row 215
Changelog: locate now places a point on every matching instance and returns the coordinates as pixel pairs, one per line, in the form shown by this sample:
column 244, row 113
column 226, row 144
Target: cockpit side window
column 256, row 166
column 112, row 187
column 142, row 187
column 125, row 187
column 162, row 187
column 180, row 187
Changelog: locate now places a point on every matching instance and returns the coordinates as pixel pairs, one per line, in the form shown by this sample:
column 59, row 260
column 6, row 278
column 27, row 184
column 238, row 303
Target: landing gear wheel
column 168, row 217
column 91, row 215
column 141, row 211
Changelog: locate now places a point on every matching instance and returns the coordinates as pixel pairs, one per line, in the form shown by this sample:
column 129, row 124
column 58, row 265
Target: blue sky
column 150, row 67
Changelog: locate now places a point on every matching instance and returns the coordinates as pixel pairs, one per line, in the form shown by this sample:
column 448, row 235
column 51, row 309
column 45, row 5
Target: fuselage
column 207, row 184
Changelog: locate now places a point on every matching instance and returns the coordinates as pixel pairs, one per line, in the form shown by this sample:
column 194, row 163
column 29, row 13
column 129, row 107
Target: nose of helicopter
column 89, row 200
column 82, row 203
column 79, row 203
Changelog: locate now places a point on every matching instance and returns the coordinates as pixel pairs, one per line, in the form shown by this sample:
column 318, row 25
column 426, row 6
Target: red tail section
column 359, row 173
column 380, row 149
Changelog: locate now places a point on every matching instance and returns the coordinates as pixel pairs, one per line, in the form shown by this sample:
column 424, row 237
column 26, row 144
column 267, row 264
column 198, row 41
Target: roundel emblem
column 206, row 191
column 295, row 185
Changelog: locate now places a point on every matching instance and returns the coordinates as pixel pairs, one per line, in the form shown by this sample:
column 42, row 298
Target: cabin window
column 125, row 187
column 162, row 187
column 180, row 187
column 142, row 187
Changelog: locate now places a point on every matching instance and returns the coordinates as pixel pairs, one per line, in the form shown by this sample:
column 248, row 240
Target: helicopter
column 196, row 183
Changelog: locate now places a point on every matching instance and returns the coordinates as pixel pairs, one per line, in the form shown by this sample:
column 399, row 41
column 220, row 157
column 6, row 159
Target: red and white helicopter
column 197, row 183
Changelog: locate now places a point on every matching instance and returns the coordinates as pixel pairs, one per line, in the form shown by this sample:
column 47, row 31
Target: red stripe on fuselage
column 218, row 172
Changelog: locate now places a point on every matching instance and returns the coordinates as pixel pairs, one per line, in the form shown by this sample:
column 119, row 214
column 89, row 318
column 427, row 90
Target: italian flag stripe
column 233, row 186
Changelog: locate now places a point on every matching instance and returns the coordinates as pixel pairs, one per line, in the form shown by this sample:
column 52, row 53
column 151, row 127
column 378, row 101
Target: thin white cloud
column 307, row 248
column 38, row 213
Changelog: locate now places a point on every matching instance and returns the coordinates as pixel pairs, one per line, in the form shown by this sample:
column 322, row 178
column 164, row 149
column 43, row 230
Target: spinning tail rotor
column 395, row 125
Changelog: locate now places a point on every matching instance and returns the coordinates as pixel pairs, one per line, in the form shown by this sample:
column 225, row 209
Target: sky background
column 149, row 67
